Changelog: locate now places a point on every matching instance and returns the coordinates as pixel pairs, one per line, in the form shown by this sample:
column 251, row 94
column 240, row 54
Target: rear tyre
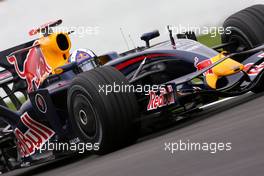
column 246, row 28
column 106, row 120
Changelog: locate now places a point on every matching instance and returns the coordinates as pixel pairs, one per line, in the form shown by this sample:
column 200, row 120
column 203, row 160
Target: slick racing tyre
column 245, row 28
column 259, row 87
column 247, row 31
column 97, row 117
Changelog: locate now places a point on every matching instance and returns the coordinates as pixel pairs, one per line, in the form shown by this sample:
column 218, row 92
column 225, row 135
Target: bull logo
column 35, row 68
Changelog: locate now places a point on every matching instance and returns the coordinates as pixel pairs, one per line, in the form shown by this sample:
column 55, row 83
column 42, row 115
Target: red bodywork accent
column 203, row 64
column 140, row 58
column 34, row 138
column 165, row 98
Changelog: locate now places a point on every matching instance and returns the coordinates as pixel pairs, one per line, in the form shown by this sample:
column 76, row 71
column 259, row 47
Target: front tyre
column 259, row 87
column 104, row 120
column 247, row 31
column 246, row 27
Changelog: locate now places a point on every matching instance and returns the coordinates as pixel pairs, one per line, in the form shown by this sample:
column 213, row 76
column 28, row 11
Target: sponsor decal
column 34, row 138
column 165, row 98
column 41, row 103
column 255, row 70
column 203, row 64
column 35, row 68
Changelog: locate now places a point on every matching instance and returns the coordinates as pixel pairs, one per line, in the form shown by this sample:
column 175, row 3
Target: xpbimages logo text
column 212, row 147
column 213, row 31
column 79, row 31
column 73, row 147
column 125, row 88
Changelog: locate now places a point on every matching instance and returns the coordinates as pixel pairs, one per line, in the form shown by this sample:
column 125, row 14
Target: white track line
column 216, row 102
column 219, row 101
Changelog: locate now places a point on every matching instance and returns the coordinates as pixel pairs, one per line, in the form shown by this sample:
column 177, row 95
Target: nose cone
column 225, row 68
column 228, row 67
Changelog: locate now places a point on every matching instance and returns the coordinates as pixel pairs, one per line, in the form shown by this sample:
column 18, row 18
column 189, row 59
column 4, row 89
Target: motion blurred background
column 133, row 16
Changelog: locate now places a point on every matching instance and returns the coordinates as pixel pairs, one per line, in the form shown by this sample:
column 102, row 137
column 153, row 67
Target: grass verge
column 210, row 40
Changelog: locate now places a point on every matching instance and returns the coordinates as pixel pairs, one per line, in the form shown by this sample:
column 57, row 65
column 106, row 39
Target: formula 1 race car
column 57, row 97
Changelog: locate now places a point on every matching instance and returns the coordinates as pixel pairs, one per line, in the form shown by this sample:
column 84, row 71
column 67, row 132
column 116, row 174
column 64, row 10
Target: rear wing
column 21, row 56
column 8, row 96
column 8, row 78
column 21, row 51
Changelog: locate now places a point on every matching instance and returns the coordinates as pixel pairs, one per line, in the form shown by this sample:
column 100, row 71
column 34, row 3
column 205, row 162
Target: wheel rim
column 85, row 116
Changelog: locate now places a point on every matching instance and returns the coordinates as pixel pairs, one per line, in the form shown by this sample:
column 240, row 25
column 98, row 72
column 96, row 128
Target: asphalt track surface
column 239, row 121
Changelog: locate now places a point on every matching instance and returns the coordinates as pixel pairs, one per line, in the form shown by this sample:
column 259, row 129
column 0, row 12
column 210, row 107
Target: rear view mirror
column 148, row 36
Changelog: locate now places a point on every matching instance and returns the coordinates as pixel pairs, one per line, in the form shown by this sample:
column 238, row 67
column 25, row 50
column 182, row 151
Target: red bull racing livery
column 58, row 97
column 35, row 68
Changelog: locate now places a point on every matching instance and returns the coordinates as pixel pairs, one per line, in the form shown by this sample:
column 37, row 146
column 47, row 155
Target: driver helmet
column 80, row 55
